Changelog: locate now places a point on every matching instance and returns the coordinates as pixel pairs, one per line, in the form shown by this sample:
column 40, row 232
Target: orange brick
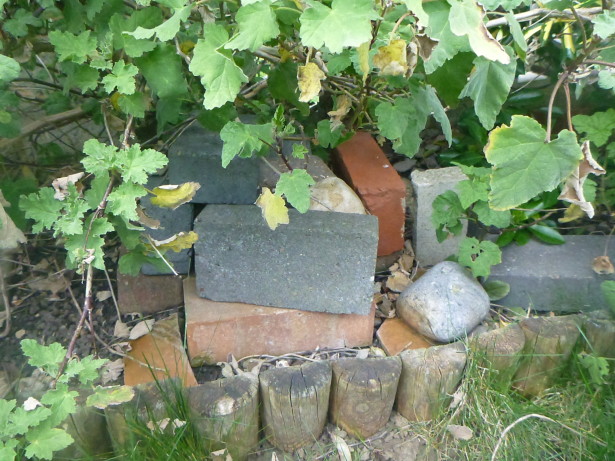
column 158, row 355
column 215, row 330
column 366, row 168
column 396, row 336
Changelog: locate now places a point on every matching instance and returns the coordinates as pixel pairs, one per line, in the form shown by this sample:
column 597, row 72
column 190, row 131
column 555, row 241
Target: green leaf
column 106, row 396
column 134, row 104
column 598, row 127
column 8, row 453
column 496, row 289
column 97, row 189
column 165, row 31
column 488, row 86
column 91, row 367
column 326, row 136
column 81, row 247
column 516, row 32
column 479, row 256
column 131, row 262
column 490, row 217
column 447, row 212
column 598, row 367
column 604, row 24
column 47, row 358
column 299, row 150
column 547, row 234
column 346, row 23
column 56, row 103
column 9, row 69
column 451, row 77
column 339, row 62
column 295, row 186
column 608, row 291
column 243, row 140
column 282, row 83
column 70, row 47
column 99, row 158
column 22, row 420
column 416, row 7
column 606, row 79
column 403, row 121
column 471, row 191
column 69, row 223
column 439, row 29
column 220, row 76
column 215, row 119
column 435, row 106
column 44, row 441
column 6, row 408
column 42, row 207
column 81, row 76
column 123, row 200
column 257, row 24
column 524, row 165
column 61, row 402
column 121, row 77
column 466, row 19
column 146, row 18
column 18, row 24
column 162, row 69
column 135, row 164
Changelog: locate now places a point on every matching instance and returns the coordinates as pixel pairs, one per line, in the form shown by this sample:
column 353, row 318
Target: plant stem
column 561, row 80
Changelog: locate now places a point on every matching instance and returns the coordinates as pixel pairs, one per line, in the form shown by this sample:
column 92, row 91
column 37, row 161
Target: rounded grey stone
column 444, row 304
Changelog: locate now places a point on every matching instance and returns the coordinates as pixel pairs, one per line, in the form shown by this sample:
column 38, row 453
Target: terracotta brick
column 158, row 355
column 148, row 294
column 214, row 330
column 396, row 336
column 365, row 167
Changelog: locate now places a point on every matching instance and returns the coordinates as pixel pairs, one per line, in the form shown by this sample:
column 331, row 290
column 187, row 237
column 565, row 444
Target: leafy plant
column 31, row 430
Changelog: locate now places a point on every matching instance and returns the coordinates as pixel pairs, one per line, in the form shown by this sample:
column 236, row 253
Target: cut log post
column 225, row 413
column 600, row 333
column 295, row 401
column 362, row 394
column 548, row 344
column 428, row 378
column 500, row 351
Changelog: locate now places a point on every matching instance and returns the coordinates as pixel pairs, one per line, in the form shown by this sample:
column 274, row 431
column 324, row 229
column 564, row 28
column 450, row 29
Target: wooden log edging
column 295, row 402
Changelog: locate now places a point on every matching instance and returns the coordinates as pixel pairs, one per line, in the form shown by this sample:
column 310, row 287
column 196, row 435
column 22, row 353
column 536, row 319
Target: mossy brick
column 427, row 186
column 320, row 261
column 172, row 222
column 364, row 166
column 197, row 156
column 556, row 278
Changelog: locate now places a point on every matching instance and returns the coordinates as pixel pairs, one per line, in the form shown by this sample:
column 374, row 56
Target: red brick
column 366, row 168
column 214, row 330
column 158, row 355
column 396, row 336
column 148, row 294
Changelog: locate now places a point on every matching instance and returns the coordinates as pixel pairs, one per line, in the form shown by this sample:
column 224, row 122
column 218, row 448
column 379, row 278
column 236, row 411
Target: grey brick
column 196, row 156
column 554, row 277
column 171, row 223
column 321, row 261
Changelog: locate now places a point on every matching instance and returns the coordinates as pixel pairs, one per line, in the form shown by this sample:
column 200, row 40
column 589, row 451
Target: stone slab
column 158, row 355
column 172, row 222
column 214, row 330
column 396, row 336
column 196, row 156
column 427, row 186
column 148, row 294
column 364, row 166
column 320, row 261
column 555, row 278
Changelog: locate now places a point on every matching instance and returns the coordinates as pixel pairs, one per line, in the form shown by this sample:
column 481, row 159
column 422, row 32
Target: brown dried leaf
column 309, row 77
column 112, row 371
column 460, row 432
column 398, row 281
column 573, row 189
column 602, row 265
column 121, row 330
column 60, row 185
column 426, row 45
column 10, row 235
column 55, row 283
column 146, row 220
column 140, row 329
column 337, row 115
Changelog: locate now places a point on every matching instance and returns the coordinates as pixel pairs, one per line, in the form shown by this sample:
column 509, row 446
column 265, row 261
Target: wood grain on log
column 362, row 394
column 548, row 344
column 428, row 378
column 295, row 402
column 226, row 414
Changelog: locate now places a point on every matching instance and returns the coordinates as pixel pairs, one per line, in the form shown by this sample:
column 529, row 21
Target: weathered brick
column 396, row 336
column 148, row 294
column 320, row 261
column 366, row 168
column 214, row 330
column 158, row 355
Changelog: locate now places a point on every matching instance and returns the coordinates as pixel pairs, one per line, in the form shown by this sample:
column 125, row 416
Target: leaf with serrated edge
column 479, row 256
column 273, row 208
column 121, row 77
column 167, row 30
column 598, row 127
column 257, row 25
column 523, row 165
column 136, row 164
column 172, row 196
column 243, row 140
column 123, row 200
column 604, row 24
column 308, row 78
column 42, row 207
column 295, row 186
column 44, row 441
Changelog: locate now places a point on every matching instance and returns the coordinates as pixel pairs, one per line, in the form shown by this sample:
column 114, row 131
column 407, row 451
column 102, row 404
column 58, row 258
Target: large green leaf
column 451, row 77
column 243, row 140
column 346, row 23
column 221, row 77
column 42, row 207
column 134, row 47
column 524, row 165
column 488, row 86
column 44, row 441
column 608, row 291
column 479, row 256
column 438, row 112
column 295, row 186
column 604, row 24
column 416, row 7
column 167, row 30
column 598, row 127
column 122, row 201
column 9, row 69
column 81, row 246
column 439, row 29
column 135, row 164
column 72, row 47
column 121, row 77
column 162, row 69
column 257, row 25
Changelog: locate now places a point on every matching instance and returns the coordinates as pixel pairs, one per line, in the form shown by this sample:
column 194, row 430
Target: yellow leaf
column 177, row 243
column 363, row 52
column 273, row 208
column 173, row 196
column 337, row 115
column 572, row 213
column 392, row 59
column 309, row 77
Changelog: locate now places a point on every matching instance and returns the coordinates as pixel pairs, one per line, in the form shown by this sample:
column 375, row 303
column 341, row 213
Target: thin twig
column 600, row 63
column 117, row 307
column 151, row 241
column 583, row 13
column 7, row 306
column 568, row 106
column 559, row 82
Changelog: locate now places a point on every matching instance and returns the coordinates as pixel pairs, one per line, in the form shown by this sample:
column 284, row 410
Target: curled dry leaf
column 221, row 455
column 309, row 77
column 112, row 371
column 103, row 295
column 602, row 265
column 343, row 450
column 342, row 109
column 55, row 283
column 60, row 185
column 177, row 242
column 398, row 281
column 573, row 189
column 460, row 432
column 10, row 235
column 146, row 220
column 426, row 45
column 392, row 59
column 172, row 196
column 121, row 330
column 140, row 329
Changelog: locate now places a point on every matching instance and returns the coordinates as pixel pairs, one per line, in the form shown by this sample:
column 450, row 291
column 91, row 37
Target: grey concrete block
column 321, row 261
column 427, row 186
column 171, row 222
column 196, row 156
column 554, row 277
